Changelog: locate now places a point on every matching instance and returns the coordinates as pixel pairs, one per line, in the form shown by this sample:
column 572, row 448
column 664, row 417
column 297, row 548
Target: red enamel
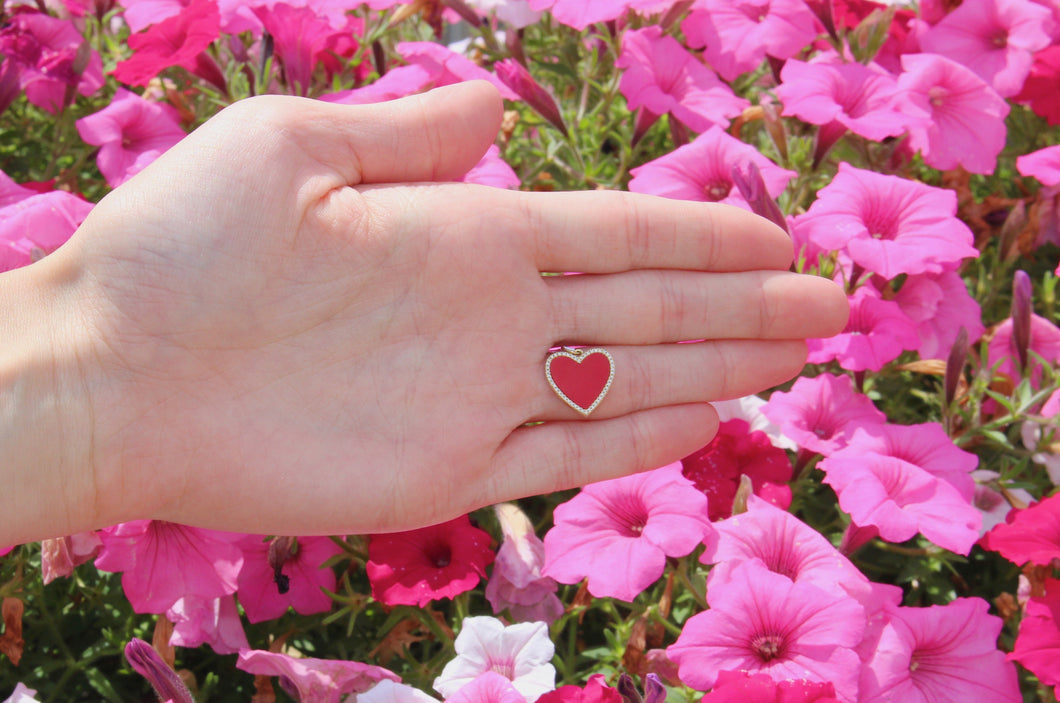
column 582, row 381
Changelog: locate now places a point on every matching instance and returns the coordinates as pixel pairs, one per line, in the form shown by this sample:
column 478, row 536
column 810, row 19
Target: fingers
column 651, row 307
column 561, row 455
column 674, row 374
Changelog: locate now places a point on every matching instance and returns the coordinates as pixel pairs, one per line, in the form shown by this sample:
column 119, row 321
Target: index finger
column 611, row 231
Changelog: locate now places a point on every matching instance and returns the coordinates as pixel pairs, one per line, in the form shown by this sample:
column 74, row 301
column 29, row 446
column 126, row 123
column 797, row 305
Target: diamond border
column 579, row 356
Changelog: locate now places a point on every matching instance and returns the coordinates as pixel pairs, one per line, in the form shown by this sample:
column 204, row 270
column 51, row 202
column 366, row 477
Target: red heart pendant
column 580, row 377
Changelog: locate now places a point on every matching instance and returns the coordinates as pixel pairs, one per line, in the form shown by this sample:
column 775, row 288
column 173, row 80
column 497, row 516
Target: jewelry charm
column 580, row 377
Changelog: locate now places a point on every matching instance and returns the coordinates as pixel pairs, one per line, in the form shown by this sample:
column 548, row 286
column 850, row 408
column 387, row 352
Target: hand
column 287, row 325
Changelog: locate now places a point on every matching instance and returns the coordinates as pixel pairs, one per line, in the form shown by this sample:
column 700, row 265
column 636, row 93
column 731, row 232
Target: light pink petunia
column 162, row 562
column 618, row 533
column 820, row 414
column 901, row 499
column 1030, row 535
column 994, row 38
column 960, row 118
column 131, row 133
column 876, row 333
column 579, row 14
column 940, row 654
column 1043, row 164
column 1038, row 644
column 994, row 506
column 446, row 67
column 662, row 77
column 521, row 653
column 212, row 621
column 737, row 36
column 889, row 225
column 283, row 573
column 1043, row 438
column 517, row 13
column 702, row 170
column 317, row 680
column 488, row 687
column 760, row 621
column 22, row 694
column 516, row 583
column 492, row 170
column 1044, row 341
column 939, row 304
column 140, row 14
column 396, row 83
column 387, row 691
column 60, row 556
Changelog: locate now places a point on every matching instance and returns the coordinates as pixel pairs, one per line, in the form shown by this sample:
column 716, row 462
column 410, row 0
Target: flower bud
column 515, row 76
column 148, row 663
column 955, row 365
column 1021, row 316
column 753, row 189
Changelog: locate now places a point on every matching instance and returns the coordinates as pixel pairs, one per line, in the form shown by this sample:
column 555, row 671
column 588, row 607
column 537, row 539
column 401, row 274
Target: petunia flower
column 213, row 621
column 283, row 573
column 1040, row 89
column 521, row 653
column 618, row 533
column 131, row 133
column 167, row 684
column 760, row 621
column 662, row 77
column 960, row 119
column 595, row 690
column 387, row 691
column 702, row 170
column 994, row 506
column 1044, row 341
column 994, row 38
column 940, row 305
column 516, row 583
column 1032, row 435
column 140, row 14
column 60, row 556
column 395, row 83
column 1043, row 164
column 820, row 414
column 735, row 451
column 876, row 333
column 579, row 14
column 492, row 170
column 889, row 225
column 1038, row 643
column 302, row 39
column 416, row 567
column 749, row 409
column 516, row 13
column 179, row 40
column 488, row 687
column 1030, row 535
column 446, row 67
column 22, row 694
column 317, row 680
column 745, row 687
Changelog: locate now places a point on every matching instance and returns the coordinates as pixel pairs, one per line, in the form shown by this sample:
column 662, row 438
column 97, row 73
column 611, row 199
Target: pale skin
column 289, row 324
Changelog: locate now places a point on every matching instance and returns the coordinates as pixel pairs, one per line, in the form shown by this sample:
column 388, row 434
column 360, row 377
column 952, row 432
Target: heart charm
column 580, row 377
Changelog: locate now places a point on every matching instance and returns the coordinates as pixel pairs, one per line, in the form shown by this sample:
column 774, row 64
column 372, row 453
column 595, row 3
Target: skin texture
column 289, row 324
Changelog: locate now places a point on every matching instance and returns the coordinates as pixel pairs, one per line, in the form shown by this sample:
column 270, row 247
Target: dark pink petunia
column 1041, row 90
column 702, row 170
column 1038, row 644
column 302, row 40
column 994, row 38
column 940, row 305
column 179, row 40
column 618, row 533
column 416, row 567
column 317, row 680
column 595, row 690
column 876, row 333
column 1029, row 535
column 889, row 225
column 960, row 119
column 760, row 621
column 285, row 573
column 820, row 414
column 34, row 224
column 662, row 77
column 744, row 687
column 737, row 36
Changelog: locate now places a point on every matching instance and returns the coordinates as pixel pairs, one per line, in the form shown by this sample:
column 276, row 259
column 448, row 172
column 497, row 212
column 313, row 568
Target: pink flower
column 939, row 304
column 662, row 77
column 581, row 13
column 1040, row 89
column 489, row 687
column 317, row 680
column 1030, row 535
column 396, row 83
column 515, row 76
column 618, row 533
column 861, row 98
column 735, row 451
column 492, row 170
column 595, row 691
column 1043, row 164
column 962, row 119
column 760, row 621
column 1044, row 341
column 131, row 133
column 940, row 654
column 517, row 13
column 147, row 662
column 745, row 687
column 876, row 333
column 22, row 694
column 175, row 41
column 283, row 573
column 386, row 691
column 302, row 39
column 213, row 621
column 59, row 557
column 416, row 567
column 749, row 409
column 901, row 499
column 516, row 584
column 702, row 170
column 140, row 14
column 1038, row 644
column 446, row 67
column 889, row 225
column 737, row 36
column 820, row 414
column 994, row 506
column 520, row 653
column 994, row 38
column 1040, row 438
column 163, row 562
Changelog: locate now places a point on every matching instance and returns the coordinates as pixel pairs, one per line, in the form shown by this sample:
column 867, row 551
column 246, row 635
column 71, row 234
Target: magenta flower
column 940, row 654
column 618, row 533
column 596, row 690
column 131, row 133
column 302, row 39
column 760, row 621
column 1038, row 644
column 446, row 67
column 396, row 83
column 492, row 170
column 737, row 36
column 820, row 414
column 168, row 685
column 876, row 333
column 176, row 41
column 581, row 13
column 901, row 499
column 889, row 225
column 662, row 77
column 285, row 573
column 994, row 38
column 738, row 451
column 212, row 621
column 515, row 76
column 37, row 225
column 1043, row 164
column 745, row 687
column 1044, row 341
column 940, row 305
column 702, row 170
column 163, row 562
column 960, row 119
column 416, row 567
column 860, row 98
column 1031, row 535
column 317, row 680
column 516, row 584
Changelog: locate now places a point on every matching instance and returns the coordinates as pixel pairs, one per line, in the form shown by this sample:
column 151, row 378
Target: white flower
column 387, row 691
column 22, row 694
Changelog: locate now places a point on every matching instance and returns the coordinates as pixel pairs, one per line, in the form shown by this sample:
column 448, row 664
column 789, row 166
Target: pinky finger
column 560, row 455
